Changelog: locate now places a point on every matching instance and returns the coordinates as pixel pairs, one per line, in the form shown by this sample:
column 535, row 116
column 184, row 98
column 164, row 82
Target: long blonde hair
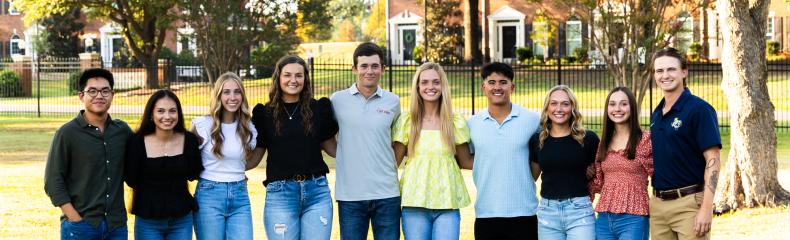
column 577, row 129
column 242, row 116
column 417, row 109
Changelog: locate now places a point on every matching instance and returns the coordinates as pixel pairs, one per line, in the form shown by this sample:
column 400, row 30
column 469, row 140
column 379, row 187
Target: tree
column 313, row 18
column 225, row 30
column 444, row 35
column 58, row 35
column 375, row 26
column 346, row 14
column 143, row 23
column 625, row 33
column 750, row 174
column 543, row 32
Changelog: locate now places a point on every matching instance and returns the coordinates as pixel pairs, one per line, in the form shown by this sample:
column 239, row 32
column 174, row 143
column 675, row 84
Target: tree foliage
column 143, row 23
column 226, row 30
column 58, row 35
column 376, row 23
column 346, row 16
column 444, row 34
column 313, row 20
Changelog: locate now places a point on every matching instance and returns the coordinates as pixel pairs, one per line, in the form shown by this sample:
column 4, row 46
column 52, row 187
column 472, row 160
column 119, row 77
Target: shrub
column 551, row 61
column 417, row 54
column 74, row 82
column 523, row 53
column 580, row 54
column 695, row 51
column 10, row 84
column 567, row 60
column 772, row 48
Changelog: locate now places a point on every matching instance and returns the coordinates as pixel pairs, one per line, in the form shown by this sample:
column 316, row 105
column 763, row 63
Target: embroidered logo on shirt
column 384, row 111
column 677, row 123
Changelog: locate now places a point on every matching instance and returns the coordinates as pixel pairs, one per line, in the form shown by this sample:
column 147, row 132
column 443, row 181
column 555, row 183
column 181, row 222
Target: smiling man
column 85, row 165
column 506, row 201
column 686, row 145
column 367, row 188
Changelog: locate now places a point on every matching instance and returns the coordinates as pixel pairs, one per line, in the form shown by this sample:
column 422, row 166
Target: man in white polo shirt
column 366, row 187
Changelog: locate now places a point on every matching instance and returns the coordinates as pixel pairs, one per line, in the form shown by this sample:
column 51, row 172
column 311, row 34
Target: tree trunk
column 750, row 172
column 471, row 30
column 151, row 73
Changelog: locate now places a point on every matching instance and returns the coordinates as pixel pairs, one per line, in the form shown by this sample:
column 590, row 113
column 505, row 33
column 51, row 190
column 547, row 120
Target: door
column 508, row 42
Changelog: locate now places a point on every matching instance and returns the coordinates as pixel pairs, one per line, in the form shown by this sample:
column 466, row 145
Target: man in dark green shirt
column 84, row 170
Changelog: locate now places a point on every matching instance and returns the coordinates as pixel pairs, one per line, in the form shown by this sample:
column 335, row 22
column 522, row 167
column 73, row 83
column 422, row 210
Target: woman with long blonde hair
column 434, row 142
column 228, row 138
column 563, row 150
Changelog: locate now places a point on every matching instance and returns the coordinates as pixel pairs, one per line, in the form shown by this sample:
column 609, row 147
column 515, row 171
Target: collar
column 678, row 106
column 353, row 90
column 83, row 123
column 515, row 111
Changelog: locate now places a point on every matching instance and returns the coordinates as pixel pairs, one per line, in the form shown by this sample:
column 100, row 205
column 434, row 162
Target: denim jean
column 570, row 218
column 384, row 214
column 620, row 226
column 176, row 228
column 83, row 230
column 298, row 210
column 223, row 211
column 430, row 224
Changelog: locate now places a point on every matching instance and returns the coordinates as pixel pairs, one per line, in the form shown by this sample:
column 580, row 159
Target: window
column 15, row 46
column 5, row 7
column 11, row 9
column 769, row 32
column 573, row 36
column 540, row 38
column 686, row 34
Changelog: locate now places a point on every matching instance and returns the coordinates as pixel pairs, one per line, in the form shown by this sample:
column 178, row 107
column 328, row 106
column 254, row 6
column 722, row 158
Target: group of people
column 507, row 147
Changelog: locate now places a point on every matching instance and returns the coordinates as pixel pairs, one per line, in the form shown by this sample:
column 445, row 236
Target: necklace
column 165, row 145
column 290, row 115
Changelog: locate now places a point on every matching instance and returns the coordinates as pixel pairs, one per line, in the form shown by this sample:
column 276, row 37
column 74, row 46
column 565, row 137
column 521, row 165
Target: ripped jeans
column 570, row 218
column 298, row 210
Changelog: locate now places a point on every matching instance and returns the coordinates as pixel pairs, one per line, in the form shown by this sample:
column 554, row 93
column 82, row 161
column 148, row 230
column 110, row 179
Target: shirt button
column 105, row 214
column 105, row 144
column 108, row 161
column 97, row 129
column 108, row 195
column 108, row 179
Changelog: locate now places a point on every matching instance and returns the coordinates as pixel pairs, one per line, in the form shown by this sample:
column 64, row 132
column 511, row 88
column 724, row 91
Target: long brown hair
column 417, row 109
column 305, row 96
column 242, row 116
column 577, row 129
column 608, row 126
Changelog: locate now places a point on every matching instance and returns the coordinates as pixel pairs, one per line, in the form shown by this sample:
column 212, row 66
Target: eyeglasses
column 105, row 92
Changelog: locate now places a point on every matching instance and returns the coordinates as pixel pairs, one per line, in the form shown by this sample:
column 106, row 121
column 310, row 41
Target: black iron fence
column 47, row 87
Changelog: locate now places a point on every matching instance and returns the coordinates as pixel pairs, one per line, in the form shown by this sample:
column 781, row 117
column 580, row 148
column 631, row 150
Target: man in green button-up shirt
column 84, row 170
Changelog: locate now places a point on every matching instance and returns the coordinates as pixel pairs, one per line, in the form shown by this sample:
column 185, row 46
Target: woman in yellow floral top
column 434, row 142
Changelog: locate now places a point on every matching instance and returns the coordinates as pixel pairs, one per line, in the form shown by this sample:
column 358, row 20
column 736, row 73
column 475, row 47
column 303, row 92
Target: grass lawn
column 26, row 212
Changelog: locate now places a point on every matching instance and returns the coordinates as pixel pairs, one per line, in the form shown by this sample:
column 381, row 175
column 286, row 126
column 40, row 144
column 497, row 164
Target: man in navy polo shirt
column 686, row 144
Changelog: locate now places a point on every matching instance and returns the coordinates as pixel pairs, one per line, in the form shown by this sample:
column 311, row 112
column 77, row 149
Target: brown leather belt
column 672, row 194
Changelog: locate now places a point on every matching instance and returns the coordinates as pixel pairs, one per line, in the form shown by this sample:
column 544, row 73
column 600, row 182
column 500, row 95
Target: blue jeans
column 166, row 228
column 298, row 210
column 431, row 224
column 570, row 218
column 223, row 210
column 615, row 226
column 355, row 217
column 83, row 230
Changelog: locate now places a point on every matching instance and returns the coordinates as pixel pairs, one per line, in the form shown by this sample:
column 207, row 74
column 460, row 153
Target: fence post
column 23, row 67
column 472, row 84
column 559, row 69
column 311, row 62
column 389, row 60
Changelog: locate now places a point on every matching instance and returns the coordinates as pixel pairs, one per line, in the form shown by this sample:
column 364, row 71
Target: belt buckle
column 299, row 178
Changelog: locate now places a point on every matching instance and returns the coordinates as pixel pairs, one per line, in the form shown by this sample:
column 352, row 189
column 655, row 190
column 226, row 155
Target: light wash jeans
column 621, row 226
column 178, row 228
column 430, row 224
column 223, row 211
column 83, row 230
column 298, row 210
column 570, row 218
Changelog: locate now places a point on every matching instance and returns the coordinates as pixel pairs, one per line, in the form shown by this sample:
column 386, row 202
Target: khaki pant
column 674, row 219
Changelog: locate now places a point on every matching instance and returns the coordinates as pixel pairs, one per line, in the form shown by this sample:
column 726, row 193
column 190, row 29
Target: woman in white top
column 228, row 137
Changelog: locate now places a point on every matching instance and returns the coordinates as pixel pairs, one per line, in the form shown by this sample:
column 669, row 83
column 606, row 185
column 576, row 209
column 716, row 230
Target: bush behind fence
column 47, row 87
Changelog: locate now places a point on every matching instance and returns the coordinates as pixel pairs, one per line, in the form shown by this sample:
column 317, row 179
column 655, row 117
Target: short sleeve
column 202, row 126
column 258, row 121
column 328, row 127
column 461, row 129
column 254, row 136
column 707, row 128
column 533, row 147
column 401, row 130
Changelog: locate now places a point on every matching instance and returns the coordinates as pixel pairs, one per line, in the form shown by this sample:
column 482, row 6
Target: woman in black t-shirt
column 563, row 151
column 160, row 159
column 294, row 128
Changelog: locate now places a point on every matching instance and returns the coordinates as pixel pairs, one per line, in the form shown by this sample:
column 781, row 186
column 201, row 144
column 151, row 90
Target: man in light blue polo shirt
column 506, row 202
column 366, row 186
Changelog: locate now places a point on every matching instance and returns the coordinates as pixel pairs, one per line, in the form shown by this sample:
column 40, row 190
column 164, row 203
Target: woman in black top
column 563, row 151
column 160, row 158
column 294, row 128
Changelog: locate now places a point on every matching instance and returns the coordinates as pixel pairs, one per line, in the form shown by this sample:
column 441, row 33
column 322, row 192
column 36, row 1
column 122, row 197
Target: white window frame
column 770, row 28
column 687, row 33
column 11, row 9
column 183, row 33
column 401, row 47
column 568, row 50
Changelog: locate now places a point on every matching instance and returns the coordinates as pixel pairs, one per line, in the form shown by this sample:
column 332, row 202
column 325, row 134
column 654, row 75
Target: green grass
column 26, row 212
